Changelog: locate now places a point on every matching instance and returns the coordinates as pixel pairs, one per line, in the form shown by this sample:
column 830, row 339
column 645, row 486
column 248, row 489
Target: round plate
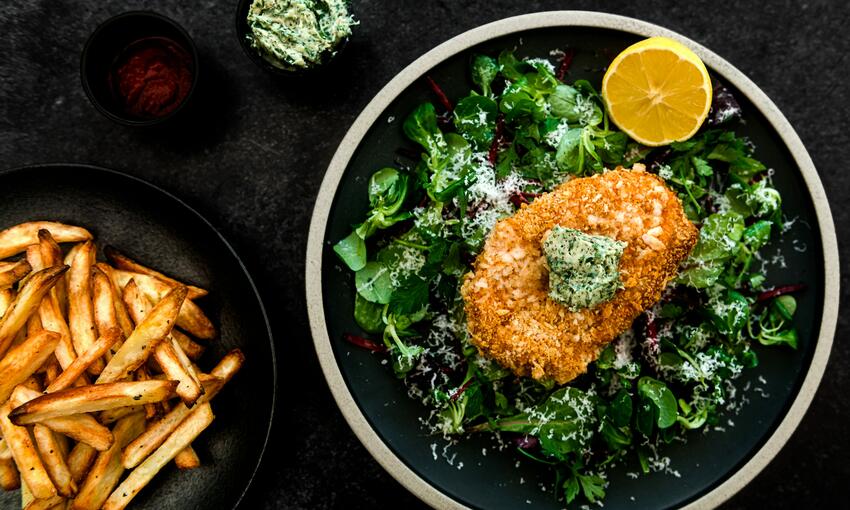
column 713, row 465
column 159, row 230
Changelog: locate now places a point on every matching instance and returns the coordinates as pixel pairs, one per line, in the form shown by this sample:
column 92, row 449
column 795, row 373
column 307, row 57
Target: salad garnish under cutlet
column 578, row 274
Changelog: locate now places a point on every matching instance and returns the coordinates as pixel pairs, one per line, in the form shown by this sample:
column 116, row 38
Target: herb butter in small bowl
column 289, row 37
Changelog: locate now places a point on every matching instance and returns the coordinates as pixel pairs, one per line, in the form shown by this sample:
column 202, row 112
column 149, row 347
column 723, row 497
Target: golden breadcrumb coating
column 511, row 317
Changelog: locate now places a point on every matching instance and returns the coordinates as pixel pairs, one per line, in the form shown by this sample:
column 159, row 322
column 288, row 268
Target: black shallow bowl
column 163, row 232
column 242, row 31
column 106, row 44
column 712, row 465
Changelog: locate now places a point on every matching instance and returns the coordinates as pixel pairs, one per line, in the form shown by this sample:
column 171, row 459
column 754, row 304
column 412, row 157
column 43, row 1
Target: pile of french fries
column 97, row 372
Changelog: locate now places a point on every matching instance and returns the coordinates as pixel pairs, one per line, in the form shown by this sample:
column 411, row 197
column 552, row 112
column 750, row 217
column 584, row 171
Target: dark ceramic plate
column 163, row 232
column 713, row 465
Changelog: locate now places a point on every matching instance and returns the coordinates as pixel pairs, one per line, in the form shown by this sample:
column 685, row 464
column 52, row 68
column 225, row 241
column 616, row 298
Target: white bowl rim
column 352, row 413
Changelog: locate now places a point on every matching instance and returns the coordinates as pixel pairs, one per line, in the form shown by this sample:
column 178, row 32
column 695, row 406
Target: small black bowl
column 242, row 31
column 106, row 45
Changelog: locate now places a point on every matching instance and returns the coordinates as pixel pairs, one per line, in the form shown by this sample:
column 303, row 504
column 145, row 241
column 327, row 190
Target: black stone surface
column 252, row 158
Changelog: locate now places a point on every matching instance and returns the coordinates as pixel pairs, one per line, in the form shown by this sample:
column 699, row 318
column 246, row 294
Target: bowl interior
column 477, row 471
column 163, row 233
column 105, row 46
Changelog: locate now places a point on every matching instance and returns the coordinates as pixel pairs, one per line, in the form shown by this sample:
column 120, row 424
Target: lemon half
column 657, row 91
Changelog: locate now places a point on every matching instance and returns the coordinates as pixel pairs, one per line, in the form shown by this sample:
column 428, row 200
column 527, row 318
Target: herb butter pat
column 298, row 34
column 583, row 268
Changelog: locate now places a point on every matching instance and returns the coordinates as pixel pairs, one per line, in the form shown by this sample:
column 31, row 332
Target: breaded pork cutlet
column 511, row 317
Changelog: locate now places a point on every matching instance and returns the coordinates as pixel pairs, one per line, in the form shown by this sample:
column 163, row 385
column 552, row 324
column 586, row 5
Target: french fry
column 30, row 384
column 121, row 261
column 151, row 410
column 227, row 367
column 7, row 296
column 22, row 361
column 83, row 428
column 51, row 503
column 171, row 359
column 158, row 431
column 9, row 478
column 52, row 369
column 26, row 457
column 15, row 239
column 5, row 452
column 62, row 441
column 67, row 378
column 86, row 399
column 182, row 437
column 34, row 325
column 104, row 304
column 187, row 459
column 193, row 349
column 33, row 257
column 20, row 337
column 107, row 469
column 185, row 362
column 113, row 415
column 51, row 253
column 52, row 320
column 26, row 302
column 54, row 460
column 121, row 313
column 79, row 460
column 191, row 318
column 80, row 307
column 72, row 253
column 136, row 303
column 152, row 330
column 26, row 495
column 188, row 387
column 35, row 262
column 11, row 275
column 63, row 282
column 80, row 427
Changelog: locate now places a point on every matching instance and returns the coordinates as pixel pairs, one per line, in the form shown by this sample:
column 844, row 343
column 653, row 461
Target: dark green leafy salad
column 520, row 132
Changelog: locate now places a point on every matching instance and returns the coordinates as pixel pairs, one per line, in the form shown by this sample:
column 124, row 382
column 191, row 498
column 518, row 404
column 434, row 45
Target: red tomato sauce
column 152, row 77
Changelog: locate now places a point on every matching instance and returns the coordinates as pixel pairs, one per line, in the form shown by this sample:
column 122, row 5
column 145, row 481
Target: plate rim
column 179, row 201
column 367, row 435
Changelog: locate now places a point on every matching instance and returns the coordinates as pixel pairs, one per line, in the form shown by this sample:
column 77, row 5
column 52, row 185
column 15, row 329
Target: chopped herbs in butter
column 298, row 34
column 583, row 268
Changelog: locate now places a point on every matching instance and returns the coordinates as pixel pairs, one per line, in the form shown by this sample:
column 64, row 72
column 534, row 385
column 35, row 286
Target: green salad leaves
column 519, row 132
column 387, row 191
